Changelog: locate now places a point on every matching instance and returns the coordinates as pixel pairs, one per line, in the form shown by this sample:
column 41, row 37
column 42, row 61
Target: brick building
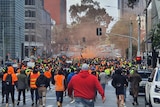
column 57, row 10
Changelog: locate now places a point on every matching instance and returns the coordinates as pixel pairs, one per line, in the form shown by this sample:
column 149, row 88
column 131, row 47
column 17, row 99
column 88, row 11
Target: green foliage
column 132, row 3
column 89, row 11
column 155, row 33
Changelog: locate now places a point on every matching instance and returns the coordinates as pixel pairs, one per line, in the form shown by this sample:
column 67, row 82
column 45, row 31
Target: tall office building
column 155, row 12
column 37, row 28
column 11, row 28
column 125, row 10
column 25, row 27
column 57, row 10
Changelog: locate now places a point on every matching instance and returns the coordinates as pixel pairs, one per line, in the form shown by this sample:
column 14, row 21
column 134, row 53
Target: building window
column 30, row 38
column 33, row 38
column 29, row 25
column 26, row 38
column 29, row 2
column 30, row 13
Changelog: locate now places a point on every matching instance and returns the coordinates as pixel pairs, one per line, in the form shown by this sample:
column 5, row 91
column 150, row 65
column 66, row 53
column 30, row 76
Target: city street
column 109, row 92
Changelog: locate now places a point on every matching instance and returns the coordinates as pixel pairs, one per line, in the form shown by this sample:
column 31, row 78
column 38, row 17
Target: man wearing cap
column 84, row 86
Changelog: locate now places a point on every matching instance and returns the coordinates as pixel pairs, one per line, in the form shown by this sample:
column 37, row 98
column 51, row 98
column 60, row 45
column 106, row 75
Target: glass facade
column 20, row 20
column 37, row 20
column 29, row 2
column 12, row 16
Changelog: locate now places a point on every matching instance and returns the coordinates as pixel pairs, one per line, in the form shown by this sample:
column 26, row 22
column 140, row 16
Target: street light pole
column 126, row 36
column 29, row 37
column 20, row 52
column 146, row 27
column 139, row 33
column 130, row 42
column 3, row 44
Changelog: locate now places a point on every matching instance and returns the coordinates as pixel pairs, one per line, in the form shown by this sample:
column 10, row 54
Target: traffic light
column 138, row 59
column 149, row 60
column 99, row 31
column 34, row 48
column 84, row 39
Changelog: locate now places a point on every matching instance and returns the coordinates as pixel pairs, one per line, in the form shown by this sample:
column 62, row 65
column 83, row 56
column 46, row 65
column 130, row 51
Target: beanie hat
column 46, row 68
column 85, row 67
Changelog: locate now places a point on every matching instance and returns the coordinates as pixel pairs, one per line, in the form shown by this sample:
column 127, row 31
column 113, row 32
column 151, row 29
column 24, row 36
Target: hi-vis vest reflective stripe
column 28, row 71
column 33, row 78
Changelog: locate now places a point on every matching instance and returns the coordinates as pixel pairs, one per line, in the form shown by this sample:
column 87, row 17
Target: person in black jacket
column 42, row 83
column 4, row 70
column 119, row 82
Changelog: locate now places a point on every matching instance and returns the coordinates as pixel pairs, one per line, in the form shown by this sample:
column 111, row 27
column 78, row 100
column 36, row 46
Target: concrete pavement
column 51, row 99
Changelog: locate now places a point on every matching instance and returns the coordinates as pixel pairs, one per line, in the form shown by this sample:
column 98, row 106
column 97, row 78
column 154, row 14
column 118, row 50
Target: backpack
column 8, row 81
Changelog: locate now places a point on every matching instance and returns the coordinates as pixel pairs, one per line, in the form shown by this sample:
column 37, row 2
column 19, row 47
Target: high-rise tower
column 124, row 9
column 57, row 10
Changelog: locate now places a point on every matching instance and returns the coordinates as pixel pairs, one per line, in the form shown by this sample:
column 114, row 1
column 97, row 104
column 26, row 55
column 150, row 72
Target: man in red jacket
column 85, row 86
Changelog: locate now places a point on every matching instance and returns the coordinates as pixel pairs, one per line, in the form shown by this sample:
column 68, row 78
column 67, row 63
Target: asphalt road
column 51, row 99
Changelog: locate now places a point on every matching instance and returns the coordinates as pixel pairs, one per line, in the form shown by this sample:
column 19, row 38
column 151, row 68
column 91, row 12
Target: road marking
column 50, row 106
column 51, row 98
column 65, row 106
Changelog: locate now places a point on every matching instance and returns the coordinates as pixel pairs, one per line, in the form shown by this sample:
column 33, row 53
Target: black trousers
column 9, row 90
column 3, row 91
column 24, row 95
column 34, row 94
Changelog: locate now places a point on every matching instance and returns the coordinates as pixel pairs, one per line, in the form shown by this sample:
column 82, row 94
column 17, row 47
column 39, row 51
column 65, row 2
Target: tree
column 155, row 33
column 89, row 11
column 122, row 27
column 132, row 3
column 86, row 18
column 155, row 38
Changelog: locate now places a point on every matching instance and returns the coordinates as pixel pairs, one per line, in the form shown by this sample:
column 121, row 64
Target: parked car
column 152, row 89
column 144, row 75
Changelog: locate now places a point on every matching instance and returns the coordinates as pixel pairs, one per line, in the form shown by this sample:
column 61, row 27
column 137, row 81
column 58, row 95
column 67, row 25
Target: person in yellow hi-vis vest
column 28, row 71
column 108, row 71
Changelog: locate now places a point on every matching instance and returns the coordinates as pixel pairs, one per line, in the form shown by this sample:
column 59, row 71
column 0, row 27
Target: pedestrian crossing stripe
column 50, row 98
column 56, row 105
column 50, row 106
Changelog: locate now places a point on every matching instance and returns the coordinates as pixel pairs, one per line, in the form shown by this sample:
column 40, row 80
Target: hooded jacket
column 119, row 81
column 84, row 85
column 14, row 76
column 42, row 81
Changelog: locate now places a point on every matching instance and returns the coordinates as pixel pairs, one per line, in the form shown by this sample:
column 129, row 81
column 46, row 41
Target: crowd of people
column 80, row 79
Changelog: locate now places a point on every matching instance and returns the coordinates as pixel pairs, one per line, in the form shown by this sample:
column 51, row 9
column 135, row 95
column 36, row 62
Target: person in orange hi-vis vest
column 48, row 74
column 60, row 87
column 32, row 83
column 10, row 88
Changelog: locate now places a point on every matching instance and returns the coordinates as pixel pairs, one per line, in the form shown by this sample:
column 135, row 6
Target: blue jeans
column 59, row 96
column 81, row 102
column 125, row 88
column 103, row 86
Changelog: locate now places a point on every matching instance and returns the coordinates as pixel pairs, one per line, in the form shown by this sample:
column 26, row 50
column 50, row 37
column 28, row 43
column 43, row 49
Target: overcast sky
column 110, row 5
